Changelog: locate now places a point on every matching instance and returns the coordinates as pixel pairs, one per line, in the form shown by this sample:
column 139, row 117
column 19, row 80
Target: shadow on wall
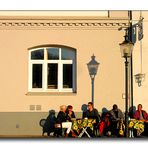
column 50, row 121
column 84, row 109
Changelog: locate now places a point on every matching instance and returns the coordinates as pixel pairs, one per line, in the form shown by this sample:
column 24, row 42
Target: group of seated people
column 107, row 124
column 113, row 121
column 66, row 114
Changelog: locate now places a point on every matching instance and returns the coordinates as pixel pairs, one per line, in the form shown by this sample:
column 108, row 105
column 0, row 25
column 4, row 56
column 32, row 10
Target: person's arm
column 145, row 115
column 73, row 115
column 113, row 117
column 121, row 115
column 97, row 116
column 68, row 118
column 60, row 117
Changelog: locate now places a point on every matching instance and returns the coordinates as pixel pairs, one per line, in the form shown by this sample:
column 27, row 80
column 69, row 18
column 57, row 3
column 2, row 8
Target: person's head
column 90, row 106
column 51, row 112
column 139, row 107
column 70, row 108
column 115, row 107
column 63, row 108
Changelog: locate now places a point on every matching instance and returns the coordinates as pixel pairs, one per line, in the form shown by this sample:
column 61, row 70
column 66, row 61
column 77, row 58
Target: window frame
column 45, row 63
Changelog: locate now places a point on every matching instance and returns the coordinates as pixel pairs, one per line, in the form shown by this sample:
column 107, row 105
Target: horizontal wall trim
column 51, row 94
column 62, row 24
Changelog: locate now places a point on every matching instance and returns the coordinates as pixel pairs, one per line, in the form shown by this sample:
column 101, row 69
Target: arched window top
column 52, row 69
column 53, row 53
column 37, row 54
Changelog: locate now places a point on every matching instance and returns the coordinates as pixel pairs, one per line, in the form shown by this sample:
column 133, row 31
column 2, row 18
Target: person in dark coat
column 92, row 113
column 70, row 113
column 61, row 117
column 116, row 117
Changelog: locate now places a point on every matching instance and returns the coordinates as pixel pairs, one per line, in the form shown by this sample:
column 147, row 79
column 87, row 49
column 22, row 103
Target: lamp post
column 92, row 68
column 126, row 48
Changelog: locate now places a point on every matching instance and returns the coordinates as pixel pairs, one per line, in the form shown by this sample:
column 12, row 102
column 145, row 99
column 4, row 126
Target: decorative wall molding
column 62, row 24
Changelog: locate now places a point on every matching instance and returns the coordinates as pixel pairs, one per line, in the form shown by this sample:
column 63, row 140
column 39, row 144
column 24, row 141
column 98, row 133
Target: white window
column 52, row 69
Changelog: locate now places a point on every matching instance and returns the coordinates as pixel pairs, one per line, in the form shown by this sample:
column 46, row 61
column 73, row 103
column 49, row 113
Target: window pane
column 53, row 53
column 52, row 76
column 67, row 76
column 37, row 55
column 68, row 54
column 37, row 76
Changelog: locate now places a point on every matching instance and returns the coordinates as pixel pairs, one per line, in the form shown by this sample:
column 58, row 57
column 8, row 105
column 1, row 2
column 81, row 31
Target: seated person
column 62, row 119
column 92, row 113
column 142, row 115
column 104, row 125
column 70, row 113
column 116, row 116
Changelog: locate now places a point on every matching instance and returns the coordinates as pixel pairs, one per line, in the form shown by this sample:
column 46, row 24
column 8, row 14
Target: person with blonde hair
column 62, row 119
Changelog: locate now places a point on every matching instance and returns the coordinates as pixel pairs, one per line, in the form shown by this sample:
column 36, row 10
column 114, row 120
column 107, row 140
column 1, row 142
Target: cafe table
column 81, row 125
column 136, row 124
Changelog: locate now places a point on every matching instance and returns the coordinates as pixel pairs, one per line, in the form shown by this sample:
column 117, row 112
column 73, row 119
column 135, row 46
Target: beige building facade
column 44, row 58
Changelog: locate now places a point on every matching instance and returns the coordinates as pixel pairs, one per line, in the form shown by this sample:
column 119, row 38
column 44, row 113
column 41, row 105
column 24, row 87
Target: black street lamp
column 92, row 68
column 126, row 48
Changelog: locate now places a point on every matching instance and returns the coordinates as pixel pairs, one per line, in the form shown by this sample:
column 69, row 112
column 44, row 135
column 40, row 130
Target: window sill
column 51, row 93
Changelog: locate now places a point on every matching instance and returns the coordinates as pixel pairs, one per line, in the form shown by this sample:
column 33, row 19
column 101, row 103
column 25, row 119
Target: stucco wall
column 14, row 68
column 14, row 98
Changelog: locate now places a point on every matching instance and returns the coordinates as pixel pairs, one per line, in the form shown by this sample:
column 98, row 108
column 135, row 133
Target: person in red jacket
column 141, row 114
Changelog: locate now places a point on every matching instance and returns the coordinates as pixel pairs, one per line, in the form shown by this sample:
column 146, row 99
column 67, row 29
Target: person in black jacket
column 92, row 113
column 61, row 117
column 70, row 113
